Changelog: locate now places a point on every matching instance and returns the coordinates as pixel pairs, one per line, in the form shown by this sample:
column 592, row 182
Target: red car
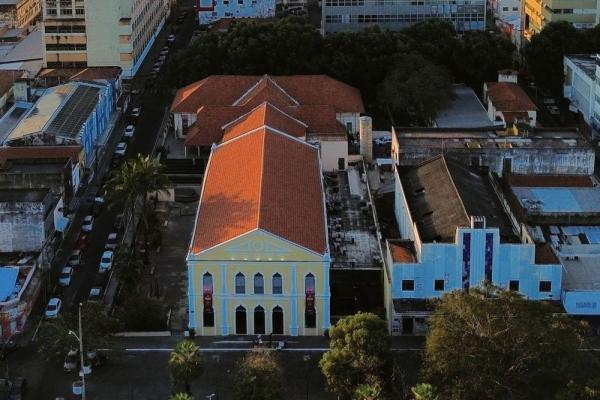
column 83, row 241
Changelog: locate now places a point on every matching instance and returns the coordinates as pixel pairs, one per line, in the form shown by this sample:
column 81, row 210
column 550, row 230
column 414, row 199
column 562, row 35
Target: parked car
column 71, row 362
column 95, row 294
column 129, row 131
column 155, row 70
column 111, row 242
column 135, row 92
column 171, row 38
column 64, row 279
column 75, row 259
column 383, row 140
column 106, row 261
column 83, row 241
column 121, row 149
column 136, row 112
column 53, row 308
column 88, row 223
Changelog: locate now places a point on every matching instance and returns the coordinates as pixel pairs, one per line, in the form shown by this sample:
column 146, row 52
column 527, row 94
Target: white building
column 581, row 88
column 212, row 10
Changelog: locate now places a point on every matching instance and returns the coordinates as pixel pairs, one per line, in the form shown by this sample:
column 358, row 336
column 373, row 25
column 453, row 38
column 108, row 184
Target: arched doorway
column 259, row 320
column 277, row 317
column 240, row 321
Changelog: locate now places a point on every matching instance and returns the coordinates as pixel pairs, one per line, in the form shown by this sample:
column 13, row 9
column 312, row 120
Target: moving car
column 129, row 131
column 71, row 362
column 106, row 261
column 75, row 258
column 53, row 308
column 136, row 112
column 121, row 149
column 95, row 294
column 88, row 223
column 64, row 279
column 171, row 38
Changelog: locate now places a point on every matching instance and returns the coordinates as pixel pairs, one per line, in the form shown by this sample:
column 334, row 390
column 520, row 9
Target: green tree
column 259, row 377
column 434, row 39
column 181, row 396
column 358, row 354
column 479, row 57
column 53, row 335
column 544, row 54
column 575, row 391
column 493, row 344
column 185, row 363
column 423, row 391
column 417, row 86
column 368, row 392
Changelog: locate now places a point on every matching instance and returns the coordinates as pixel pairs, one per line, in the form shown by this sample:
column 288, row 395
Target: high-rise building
column 354, row 15
column 19, row 13
column 92, row 33
column 538, row 13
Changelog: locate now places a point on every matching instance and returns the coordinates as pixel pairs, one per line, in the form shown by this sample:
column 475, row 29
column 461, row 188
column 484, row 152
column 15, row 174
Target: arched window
column 277, row 284
column 277, row 318
column 240, row 321
column 259, row 320
column 240, row 283
column 208, row 315
column 259, row 284
column 309, row 283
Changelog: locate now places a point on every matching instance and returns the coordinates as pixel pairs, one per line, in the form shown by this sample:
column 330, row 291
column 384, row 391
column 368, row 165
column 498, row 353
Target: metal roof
column 75, row 112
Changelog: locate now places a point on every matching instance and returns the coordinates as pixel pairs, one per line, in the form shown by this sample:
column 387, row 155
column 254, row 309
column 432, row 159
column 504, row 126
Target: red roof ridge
column 256, row 88
column 265, row 104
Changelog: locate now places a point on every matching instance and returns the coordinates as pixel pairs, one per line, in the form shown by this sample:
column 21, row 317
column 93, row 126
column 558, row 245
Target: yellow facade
column 258, row 252
column 538, row 13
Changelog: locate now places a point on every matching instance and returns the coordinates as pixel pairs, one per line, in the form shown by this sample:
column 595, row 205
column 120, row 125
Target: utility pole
column 80, row 340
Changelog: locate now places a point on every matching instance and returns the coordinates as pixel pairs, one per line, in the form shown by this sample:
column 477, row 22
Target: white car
column 129, row 131
column 106, row 261
column 111, row 242
column 162, row 58
column 53, row 308
column 156, row 70
column 121, row 149
column 171, row 38
column 136, row 112
column 95, row 294
column 135, row 92
column 75, row 258
column 64, row 279
column 88, row 223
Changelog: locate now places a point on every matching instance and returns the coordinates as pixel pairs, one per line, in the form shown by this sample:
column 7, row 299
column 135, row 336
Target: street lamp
column 306, row 359
column 80, row 340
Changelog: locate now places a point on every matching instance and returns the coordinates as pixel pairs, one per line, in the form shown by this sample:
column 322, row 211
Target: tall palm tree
column 185, row 363
column 423, row 391
column 181, row 396
column 136, row 180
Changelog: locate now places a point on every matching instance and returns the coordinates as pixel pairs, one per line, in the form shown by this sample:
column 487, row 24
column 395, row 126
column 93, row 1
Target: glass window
column 207, row 283
column 277, row 284
column 439, row 284
column 240, row 283
column 545, row 286
column 259, row 284
column 513, row 285
column 309, row 283
column 408, row 284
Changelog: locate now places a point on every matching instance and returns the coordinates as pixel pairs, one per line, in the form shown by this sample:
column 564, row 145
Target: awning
column 62, row 224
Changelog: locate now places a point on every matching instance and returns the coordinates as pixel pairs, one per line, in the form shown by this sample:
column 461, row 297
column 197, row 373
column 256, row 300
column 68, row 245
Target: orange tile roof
column 209, row 121
column 401, row 254
column 262, row 180
column 39, row 152
column 550, row 181
column 305, row 89
column 265, row 114
column 508, row 96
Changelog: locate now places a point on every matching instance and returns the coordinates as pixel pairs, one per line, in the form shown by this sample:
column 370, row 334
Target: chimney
column 21, row 90
column 478, row 222
column 508, row 75
column 365, row 131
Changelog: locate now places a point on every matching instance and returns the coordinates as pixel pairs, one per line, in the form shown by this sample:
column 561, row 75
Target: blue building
column 77, row 113
column 455, row 234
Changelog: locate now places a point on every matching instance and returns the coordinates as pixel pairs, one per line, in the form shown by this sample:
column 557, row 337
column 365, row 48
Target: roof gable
column 266, row 89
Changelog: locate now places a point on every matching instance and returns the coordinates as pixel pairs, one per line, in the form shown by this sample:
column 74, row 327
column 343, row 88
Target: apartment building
column 355, row 15
column 582, row 87
column 19, row 13
column 87, row 33
column 210, row 11
column 538, row 13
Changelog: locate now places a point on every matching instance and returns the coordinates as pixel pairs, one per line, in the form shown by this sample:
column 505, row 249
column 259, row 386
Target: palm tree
column 423, row 391
column 181, row 396
column 185, row 363
column 137, row 179
column 368, row 392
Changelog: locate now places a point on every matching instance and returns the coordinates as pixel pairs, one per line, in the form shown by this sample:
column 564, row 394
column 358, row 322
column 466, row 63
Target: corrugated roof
column 39, row 152
column 262, row 180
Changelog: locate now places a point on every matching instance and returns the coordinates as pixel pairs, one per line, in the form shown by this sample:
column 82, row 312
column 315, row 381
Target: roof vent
column 478, row 222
